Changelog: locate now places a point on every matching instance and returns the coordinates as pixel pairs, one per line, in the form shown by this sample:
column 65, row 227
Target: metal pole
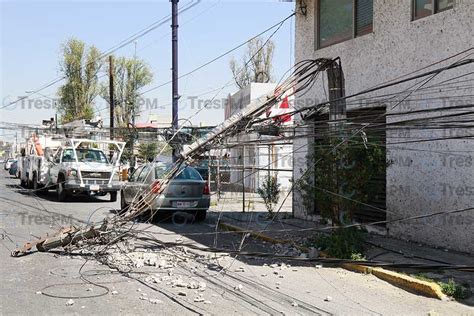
column 218, row 175
column 111, row 96
column 243, row 180
column 174, row 69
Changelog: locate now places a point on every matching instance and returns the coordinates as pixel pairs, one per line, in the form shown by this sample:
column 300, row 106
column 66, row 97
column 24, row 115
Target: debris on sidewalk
column 238, row 287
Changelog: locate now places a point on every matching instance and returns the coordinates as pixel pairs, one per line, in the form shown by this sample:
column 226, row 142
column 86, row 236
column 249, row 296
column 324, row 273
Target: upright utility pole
column 337, row 108
column 111, row 96
column 174, row 69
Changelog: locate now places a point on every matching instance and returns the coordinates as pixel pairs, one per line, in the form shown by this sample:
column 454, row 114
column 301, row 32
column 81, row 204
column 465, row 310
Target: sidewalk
column 287, row 230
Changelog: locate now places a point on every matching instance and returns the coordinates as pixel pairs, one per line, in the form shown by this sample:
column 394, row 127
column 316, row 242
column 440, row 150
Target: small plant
column 343, row 243
column 451, row 288
column 356, row 256
column 270, row 192
column 454, row 290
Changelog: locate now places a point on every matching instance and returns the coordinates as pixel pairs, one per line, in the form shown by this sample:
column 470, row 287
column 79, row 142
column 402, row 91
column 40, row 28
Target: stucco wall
column 425, row 177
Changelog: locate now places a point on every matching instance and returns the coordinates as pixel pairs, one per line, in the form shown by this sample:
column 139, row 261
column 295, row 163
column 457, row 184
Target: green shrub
column 454, row 290
column 343, row 243
column 270, row 192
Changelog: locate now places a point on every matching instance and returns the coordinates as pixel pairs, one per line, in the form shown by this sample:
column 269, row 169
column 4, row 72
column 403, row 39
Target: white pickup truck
column 81, row 166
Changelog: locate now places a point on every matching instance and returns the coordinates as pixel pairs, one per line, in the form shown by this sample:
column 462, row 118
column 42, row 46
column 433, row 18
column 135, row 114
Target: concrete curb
column 408, row 283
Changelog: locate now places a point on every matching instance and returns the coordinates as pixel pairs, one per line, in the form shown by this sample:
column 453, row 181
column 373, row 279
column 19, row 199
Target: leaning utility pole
column 111, row 96
column 174, row 69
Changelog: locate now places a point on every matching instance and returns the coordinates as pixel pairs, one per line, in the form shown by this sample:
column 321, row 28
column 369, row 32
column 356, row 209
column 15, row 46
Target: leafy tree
column 256, row 63
column 80, row 67
column 148, row 151
column 342, row 176
column 130, row 75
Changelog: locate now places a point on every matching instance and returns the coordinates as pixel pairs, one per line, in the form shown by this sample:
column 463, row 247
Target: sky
column 32, row 33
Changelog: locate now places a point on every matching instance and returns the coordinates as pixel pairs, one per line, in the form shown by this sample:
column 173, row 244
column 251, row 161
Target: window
column 423, row 8
column 135, row 174
column 145, row 172
column 188, row 173
column 341, row 20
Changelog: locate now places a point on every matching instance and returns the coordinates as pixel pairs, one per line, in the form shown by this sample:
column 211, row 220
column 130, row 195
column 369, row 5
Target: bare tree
column 256, row 65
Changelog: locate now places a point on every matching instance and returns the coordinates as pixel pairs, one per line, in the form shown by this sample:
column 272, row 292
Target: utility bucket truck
column 33, row 168
column 86, row 166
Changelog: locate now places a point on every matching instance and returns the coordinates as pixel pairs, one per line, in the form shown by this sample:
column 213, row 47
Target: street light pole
column 174, row 69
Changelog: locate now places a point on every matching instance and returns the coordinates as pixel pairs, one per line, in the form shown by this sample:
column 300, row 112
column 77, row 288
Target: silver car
column 187, row 192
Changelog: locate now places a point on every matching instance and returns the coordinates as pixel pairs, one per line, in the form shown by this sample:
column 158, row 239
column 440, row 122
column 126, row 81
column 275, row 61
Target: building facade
column 427, row 134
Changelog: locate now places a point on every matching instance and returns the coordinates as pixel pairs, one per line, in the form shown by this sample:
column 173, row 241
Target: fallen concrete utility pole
column 303, row 76
column 63, row 237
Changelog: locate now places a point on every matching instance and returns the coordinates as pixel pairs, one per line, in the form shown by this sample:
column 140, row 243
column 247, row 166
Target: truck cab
column 79, row 166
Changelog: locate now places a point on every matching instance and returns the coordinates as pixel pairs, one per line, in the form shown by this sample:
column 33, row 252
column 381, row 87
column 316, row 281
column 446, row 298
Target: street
column 150, row 279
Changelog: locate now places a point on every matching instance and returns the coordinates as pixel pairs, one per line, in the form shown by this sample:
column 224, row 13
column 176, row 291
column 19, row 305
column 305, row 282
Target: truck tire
column 123, row 203
column 35, row 183
column 113, row 196
column 60, row 192
column 22, row 183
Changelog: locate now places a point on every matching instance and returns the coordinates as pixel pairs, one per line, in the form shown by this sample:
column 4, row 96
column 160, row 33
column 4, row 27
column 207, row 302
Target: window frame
column 354, row 25
column 434, row 10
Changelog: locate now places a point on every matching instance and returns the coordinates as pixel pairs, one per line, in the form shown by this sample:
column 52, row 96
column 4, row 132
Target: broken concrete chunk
column 155, row 301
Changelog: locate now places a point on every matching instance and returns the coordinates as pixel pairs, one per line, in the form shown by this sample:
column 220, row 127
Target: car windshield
column 185, row 173
column 85, row 155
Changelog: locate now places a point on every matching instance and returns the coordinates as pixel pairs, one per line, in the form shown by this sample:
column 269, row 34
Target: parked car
column 187, row 191
column 13, row 168
column 8, row 163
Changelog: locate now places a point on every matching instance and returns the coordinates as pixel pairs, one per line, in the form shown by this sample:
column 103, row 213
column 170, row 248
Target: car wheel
column 60, row 192
column 113, row 196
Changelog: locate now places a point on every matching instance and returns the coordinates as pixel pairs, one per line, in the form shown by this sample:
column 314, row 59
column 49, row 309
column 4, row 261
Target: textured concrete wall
column 428, row 176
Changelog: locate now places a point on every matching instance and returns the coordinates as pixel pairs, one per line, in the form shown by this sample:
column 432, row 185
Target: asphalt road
column 194, row 282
